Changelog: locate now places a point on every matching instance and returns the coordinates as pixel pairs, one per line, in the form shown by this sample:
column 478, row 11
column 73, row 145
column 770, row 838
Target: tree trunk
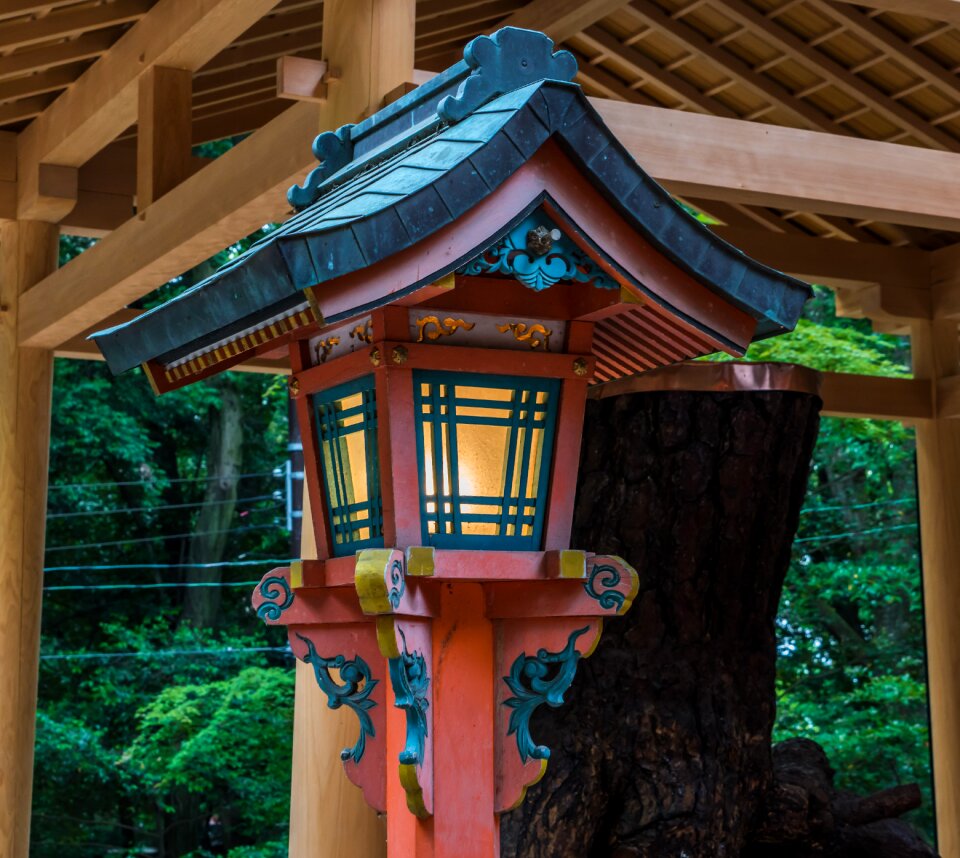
column 224, row 460
column 663, row 745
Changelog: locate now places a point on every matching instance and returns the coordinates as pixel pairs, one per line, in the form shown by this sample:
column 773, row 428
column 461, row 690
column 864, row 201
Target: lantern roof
column 423, row 166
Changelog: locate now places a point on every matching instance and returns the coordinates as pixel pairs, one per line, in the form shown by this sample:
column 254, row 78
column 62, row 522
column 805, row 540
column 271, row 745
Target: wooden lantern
column 461, row 267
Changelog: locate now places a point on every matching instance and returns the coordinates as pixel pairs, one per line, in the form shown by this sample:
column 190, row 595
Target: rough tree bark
column 663, row 746
column 224, row 459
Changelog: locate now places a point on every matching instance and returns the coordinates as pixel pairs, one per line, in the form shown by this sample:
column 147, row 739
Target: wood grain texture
column 328, row 816
column 936, row 356
column 164, row 129
column 29, row 251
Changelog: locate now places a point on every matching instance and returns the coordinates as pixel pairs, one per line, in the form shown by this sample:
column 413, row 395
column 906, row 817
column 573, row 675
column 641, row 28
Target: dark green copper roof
column 418, row 165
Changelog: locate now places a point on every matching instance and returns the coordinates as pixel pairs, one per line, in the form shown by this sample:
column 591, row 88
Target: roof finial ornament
column 334, row 150
column 505, row 61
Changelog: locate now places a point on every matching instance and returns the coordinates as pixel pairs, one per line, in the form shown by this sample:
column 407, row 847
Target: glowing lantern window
column 484, row 447
column 346, row 420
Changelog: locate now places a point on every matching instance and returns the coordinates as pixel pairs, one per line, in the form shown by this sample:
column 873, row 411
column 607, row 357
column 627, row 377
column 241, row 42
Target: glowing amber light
column 346, row 419
column 484, row 446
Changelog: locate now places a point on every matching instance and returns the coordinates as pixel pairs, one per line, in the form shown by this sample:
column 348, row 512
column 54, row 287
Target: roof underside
column 804, row 63
column 373, row 208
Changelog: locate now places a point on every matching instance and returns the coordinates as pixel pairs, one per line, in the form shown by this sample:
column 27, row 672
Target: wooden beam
column 875, row 397
column 560, row 19
column 26, row 380
column 86, row 47
column 787, row 168
column 936, row 359
column 841, row 264
column 301, row 79
column 183, row 34
column 226, row 200
column 164, row 132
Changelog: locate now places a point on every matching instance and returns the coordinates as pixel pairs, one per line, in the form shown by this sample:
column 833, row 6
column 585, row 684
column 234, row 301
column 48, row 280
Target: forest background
column 164, row 700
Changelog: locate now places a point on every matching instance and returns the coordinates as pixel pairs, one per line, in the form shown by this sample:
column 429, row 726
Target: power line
column 164, row 586
column 143, row 539
column 912, row 501
column 156, row 480
column 119, row 510
column 162, row 653
column 105, row 568
column 911, row 526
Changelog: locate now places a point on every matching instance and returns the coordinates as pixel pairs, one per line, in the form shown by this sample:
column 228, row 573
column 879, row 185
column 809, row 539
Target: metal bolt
column 294, row 385
column 399, row 355
column 580, row 367
column 375, row 357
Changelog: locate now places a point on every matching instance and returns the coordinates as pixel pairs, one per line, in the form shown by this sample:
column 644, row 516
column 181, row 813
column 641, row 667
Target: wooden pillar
column 28, row 252
column 164, row 132
column 935, row 356
column 328, row 816
column 369, row 45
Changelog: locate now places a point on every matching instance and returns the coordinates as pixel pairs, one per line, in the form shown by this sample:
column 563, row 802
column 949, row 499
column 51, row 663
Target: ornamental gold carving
column 536, row 336
column 323, row 348
column 432, row 327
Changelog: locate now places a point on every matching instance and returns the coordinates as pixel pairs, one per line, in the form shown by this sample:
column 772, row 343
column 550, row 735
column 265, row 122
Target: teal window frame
column 445, row 418
column 328, row 422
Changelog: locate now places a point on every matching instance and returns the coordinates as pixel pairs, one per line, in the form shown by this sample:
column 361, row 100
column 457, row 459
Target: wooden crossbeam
column 103, row 102
column 848, row 395
column 86, row 47
column 788, row 168
column 695, row 155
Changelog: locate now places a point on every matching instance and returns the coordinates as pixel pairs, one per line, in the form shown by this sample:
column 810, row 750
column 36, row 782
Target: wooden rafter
column 89, row 46
column 935, row 10
column 835, row 74
column 103, row 102
column 70, row 23
column 803, row 113
column 601, row 41
column 891, row 45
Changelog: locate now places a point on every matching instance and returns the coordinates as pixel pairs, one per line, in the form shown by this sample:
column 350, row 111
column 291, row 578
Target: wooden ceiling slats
column 16, row 8
column 88, row 46
column 802, row 113
column 784, row 40
column 36, row 84
column 601, row 41
column 70, row 23
column 597, row 81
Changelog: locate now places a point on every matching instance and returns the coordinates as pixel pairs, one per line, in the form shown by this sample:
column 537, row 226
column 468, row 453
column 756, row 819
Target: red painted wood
column 452, row 564
column 399, row 474
column 557, row 598
column 351, row 641
column 313, row 479
column 514, row 638
column 465, row 824
column 566, row 464
column 335, row 371
column 509, row 297
column 502, row 361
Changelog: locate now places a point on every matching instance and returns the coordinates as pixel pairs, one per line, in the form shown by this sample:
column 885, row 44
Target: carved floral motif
column 537, row 336
column 278, row 595
column 432, row 327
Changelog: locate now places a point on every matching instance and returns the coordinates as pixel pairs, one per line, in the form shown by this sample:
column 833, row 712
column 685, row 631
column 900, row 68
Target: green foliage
column 230, row 740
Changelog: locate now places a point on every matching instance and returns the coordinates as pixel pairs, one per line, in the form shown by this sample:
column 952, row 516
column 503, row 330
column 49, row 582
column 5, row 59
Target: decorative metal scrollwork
column 432, row 328
column 537, row 336
column 323, row 348
column 278, row 597
column 398, row 584
column 358, row 683
column 410, row 680
column 607, row 577
column 362, row 332
column 564, row 261
column 543, row 678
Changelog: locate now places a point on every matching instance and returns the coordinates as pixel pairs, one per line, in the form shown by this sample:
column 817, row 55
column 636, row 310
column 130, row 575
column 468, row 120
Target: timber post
column 936, row 357
column 369, row 44
column 28, row 252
